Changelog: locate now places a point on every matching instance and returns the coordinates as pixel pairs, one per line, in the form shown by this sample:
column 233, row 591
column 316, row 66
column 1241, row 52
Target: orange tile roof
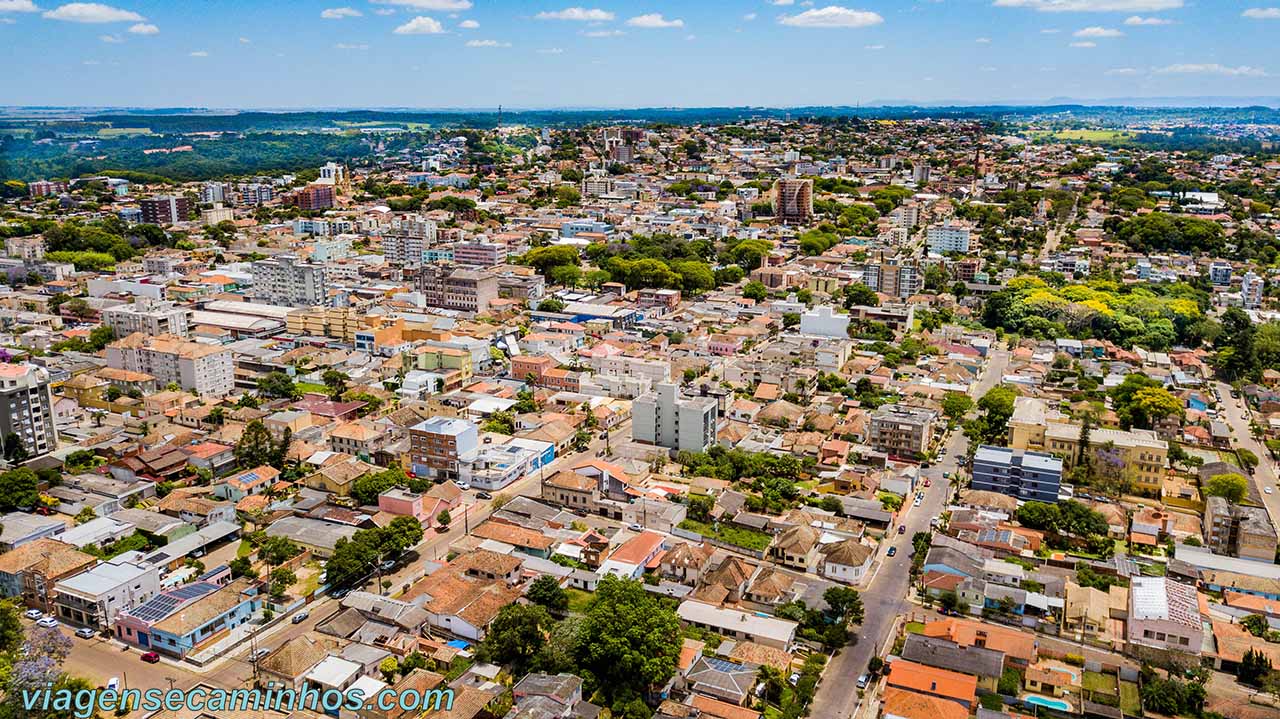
column 966, row 632
column 931, row 680
column 912, row 705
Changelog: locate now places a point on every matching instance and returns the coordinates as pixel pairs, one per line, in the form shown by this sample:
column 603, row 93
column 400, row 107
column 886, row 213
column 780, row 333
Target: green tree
column 279, row 385
column 754, row 290
column 516, row 636
column 86, row 515
column 443, row 518
column 18, row 489
column 630, row 640
column 859, row 295
column 955, row 405
column 547, row 592
column 336, row 382
column 255, row 447
column 242, row 567
column 1230, row 486
column 278, row 550
column 281, row 580
column 1253, row 668
column 551, row 304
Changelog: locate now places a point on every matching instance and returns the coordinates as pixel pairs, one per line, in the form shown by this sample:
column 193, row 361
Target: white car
column 47, row 623
column 1267, row 490
column 33, row 614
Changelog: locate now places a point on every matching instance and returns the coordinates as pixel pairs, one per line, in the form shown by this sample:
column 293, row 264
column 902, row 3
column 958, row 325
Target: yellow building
column 340, row 323
column 1142, row 453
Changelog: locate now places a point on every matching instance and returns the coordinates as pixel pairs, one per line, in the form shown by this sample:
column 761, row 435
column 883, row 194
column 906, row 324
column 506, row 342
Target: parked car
column 151, row 658
column 902, row 529
column 113, row 683
column 464, row 486
column 33, row 614
column 258, row 654
column 47, row 623
column 892, row 551
column 483, row 495
column 635, row 527
column 300, row 617
column 85, row 633
column 862, row 681
column 794, row 678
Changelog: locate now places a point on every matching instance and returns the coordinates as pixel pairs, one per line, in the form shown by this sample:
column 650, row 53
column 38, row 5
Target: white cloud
column 603, row 33
column 749, row 16
column 91, row 62
column 690, row 38
column 1139, row 20
column 384, row 11
column 654, row 20
column 18, row 6
column 578, row 14
column 1097, row 31
column 92, row 12
column 551, row 51
column 351, row 46
column 873, row 47
column 1050, row 31
column 1262, row 13
column 982, row 40
column 438, row 5
column 1124, row 71
column 111, row 38
column 7, row 21
column 1092, row 5
column 421, row 25
column 198, row 53
column 468, row 24
column 337, row 13
column 245, row 41
column 832, row 16
column 144, row 28
column 782, row 2
column 487, row 43
column 1212, row 68
column 1084, row 43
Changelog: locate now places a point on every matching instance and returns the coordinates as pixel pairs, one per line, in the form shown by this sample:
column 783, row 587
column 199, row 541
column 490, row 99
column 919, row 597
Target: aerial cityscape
column 738, row 360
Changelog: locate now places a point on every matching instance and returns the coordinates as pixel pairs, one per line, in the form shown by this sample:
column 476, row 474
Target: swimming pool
column 1048, row 703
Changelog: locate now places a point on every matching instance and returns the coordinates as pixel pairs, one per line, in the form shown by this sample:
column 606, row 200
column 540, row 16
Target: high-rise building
column 407, row 239
column 451, row 287
column 901, row 430
column 1251, row 290
column 149, row 316
column 1220, row 273
column 893, row 276
column 201, row 368
column 793, row 200
column 920, row 172
column 26, row 407
column 666, row 419
column 948, row 237
column 479, row 253
column 45, row 188
column 287, row 281
column 313, row 197
column 1030, row 476
column 255, row 193
column 165, row 209
column 436, row 445
column 213, row 192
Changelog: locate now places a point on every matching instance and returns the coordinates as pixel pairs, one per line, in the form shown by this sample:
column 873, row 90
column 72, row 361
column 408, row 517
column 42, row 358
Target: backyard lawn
column 737, row 536
column 578, row 600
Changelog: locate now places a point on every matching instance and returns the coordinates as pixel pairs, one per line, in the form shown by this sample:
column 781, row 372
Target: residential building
column 437, row 444
column 166, row 209
column 824, row 321
column 463, row 289
column 149, row 316
column 666, row 419
column 948, row 237
column 287, row 281
column 26, row 407
column 202, row 368
column 94, row 598
column 1251, row 290
column 216, row 214
column 1138, row 453
column 902, row 430
column 1220, row 273
column 893, row 276
column 46, row 188
column 1027, row 475
column 30, row 249
column 31, row 570
column 735, row 624
column 479, row 253
column 312, row 197
column 206, row 619
column 1238, row 530
column 793, row 200
column 1164, row 614
column 932, row 681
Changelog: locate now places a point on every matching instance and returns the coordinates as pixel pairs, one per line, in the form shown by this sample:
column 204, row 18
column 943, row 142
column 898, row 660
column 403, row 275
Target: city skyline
column 464, row 54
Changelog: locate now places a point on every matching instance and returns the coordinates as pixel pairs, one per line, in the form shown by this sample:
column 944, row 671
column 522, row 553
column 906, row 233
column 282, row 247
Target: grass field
column 1100, row 683
column 737, row 536
column 305, row 387
column 1112, row 136
column 578, row 600
column 914, row 627
column 1130, row 702
column 123, row 131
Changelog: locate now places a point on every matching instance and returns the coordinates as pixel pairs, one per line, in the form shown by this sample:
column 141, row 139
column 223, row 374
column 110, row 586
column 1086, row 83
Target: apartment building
column 893, row 276
column 201, row 368
column 313, row 197
column 902, row 430
column 1164, row 614
column 30, row 249
column 479, row 253
column 948, row 237
column 287, row 281
column 149, row 316
column 1239, row 531
column 463, row 289
column 437, row 444
column 1251, row 290
column 666, row 419
column 1140, row 453
column 407, row 239
column 46, row 188
column 1031, row 476
column 26, row 407
column 94, row 598
column 793, row 200
column 341, row 323
column 166, row 209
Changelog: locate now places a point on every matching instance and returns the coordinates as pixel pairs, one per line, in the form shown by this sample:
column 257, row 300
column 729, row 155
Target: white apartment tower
column 665, row 419
column 26, row 407
column 287, row 281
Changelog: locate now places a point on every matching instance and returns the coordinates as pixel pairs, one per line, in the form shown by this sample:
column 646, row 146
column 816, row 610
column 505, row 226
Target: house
column 556, row 695
column 1164, row 614
column 462, row 606
column 985, row 664
column 1086, row 611
column 31, row 570
column 1019, row 648
column 721, row 678
column 796, row 547
column 94, row 597
column 207, row 619
column 766, row 630
column 630, row 560
column 288, row 664
column 952, row 686
column 847, row 561
column 904, row 704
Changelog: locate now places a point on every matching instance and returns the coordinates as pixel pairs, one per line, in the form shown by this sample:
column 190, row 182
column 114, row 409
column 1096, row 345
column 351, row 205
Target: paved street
column 885, row 599
column 1264, row 476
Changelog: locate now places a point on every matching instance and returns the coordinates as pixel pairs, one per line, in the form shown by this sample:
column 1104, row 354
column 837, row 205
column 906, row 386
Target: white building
column 666, row 419
column 948, row 237
column 1251, row 290
column 1220, row 273
column 201, row 368
column 26, row 407
column 287, row 281
column 94, row 598
column 149, row 316
column 824, row 321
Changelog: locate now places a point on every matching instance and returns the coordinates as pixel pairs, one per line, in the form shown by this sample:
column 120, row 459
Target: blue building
column 206, row 619
column 1032, row 476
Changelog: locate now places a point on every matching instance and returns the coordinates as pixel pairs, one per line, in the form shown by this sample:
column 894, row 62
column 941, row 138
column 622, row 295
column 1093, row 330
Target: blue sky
column 638, row 53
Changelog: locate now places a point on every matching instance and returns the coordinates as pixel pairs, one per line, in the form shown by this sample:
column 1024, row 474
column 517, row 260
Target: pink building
column 402, row 502
column 724, row 345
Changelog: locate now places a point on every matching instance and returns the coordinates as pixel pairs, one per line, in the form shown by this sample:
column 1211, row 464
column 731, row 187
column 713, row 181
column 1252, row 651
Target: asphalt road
column 1231, row 410
column 837, row 695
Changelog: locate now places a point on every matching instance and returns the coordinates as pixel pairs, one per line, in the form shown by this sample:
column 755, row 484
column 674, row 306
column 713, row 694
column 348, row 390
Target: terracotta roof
column 912, row 705
column 938, row 682
column 44, row 556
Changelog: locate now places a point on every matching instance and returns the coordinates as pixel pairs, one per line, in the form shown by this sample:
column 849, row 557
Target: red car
column 151, row 658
